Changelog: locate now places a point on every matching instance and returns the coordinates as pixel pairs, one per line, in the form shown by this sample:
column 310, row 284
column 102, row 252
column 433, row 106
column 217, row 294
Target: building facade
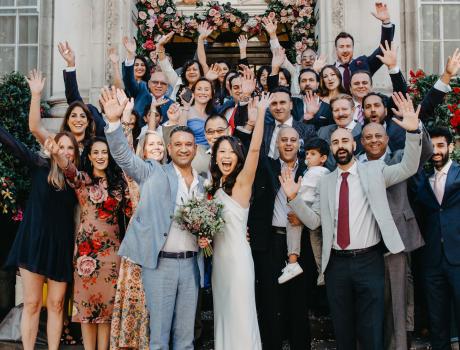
column 426, row 33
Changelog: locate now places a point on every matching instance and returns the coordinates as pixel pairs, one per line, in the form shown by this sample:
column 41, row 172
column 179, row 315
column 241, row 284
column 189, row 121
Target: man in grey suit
column 343, row 109
column 399, row 294
column 168, row 255
column 353, row 209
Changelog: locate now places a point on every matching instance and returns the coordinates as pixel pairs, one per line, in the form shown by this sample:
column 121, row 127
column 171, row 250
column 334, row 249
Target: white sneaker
column 289, row 272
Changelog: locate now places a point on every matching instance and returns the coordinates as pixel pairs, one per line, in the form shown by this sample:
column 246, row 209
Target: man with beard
column 353, row 210
column 343, row 109
column 378, row 109
column 282, row 308
column 437, row 199
column 399, row 293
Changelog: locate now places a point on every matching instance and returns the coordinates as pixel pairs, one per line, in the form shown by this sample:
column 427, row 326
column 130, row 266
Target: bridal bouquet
column 202, row 217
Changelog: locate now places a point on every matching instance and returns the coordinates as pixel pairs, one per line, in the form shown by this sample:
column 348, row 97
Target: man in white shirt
column 353, row 210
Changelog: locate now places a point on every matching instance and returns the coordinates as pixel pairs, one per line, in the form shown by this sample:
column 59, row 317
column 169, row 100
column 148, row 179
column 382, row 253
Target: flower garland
column 158, row 17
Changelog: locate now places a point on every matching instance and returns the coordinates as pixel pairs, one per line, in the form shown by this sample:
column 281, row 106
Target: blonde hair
column 141, row 145
column 56, row 176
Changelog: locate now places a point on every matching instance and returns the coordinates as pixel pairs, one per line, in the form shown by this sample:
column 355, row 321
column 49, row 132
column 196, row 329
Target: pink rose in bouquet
column 142, row 15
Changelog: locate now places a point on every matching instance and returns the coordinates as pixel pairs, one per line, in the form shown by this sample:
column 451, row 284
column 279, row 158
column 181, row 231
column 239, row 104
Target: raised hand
column 242, row 42
column 67, row 53
column 278, row 57
column 390, row 55
column 410, row 121
column 320, row 62
column 213, row 72
column 36, row 82
column 381, row 12
column 270, row 26
column 252, row 111
column 128, row 109
column 51, row 146
column 453, row 63
column 158, row 103
column 248, row 82
column 165, row 39
column 204, row 30
column 113, row 110
column 264, row 102
column 290, row 187
column 113, row 56
column 174, row 113
column 312, row 102
column 130, row 46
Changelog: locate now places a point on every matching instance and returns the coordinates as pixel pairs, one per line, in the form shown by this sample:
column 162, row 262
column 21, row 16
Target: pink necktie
column 437, row 187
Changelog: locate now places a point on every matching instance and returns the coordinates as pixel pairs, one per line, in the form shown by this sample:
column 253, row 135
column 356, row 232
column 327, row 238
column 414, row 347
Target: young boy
column 317, row 151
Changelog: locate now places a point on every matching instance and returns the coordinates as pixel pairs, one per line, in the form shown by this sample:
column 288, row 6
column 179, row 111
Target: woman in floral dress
column 101, row 192
column 130, row 320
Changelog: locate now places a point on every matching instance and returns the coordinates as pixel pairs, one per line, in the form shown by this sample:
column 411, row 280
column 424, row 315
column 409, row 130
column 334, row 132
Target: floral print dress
column 97, row 241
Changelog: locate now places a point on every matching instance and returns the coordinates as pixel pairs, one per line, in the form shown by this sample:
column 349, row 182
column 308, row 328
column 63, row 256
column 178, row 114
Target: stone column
column 355, row 18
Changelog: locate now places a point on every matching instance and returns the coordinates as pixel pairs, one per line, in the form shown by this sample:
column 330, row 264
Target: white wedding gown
column 235, row 316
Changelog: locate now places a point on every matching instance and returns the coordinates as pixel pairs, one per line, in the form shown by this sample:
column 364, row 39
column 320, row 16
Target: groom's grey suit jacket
column 149, row 227
column 375, row 177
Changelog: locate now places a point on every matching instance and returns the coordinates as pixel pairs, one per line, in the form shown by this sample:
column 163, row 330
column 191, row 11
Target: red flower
column 110, row 204
column 84, row 248
column 456, row 90
column 96, row 245
column 149, row 45
column 411, row 73
column 420, row 73
column 450, row 108
column 102, row 214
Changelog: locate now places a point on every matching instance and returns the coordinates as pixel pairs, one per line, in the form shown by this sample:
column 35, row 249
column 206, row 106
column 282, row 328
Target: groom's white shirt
column 181, row 240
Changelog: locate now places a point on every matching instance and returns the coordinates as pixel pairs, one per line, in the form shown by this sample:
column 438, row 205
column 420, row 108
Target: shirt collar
column 353, row 170
column 351, row 125
column 179, row 174
column 363, row 157
column 445, row 168
column 295, row 166
column 287, row 122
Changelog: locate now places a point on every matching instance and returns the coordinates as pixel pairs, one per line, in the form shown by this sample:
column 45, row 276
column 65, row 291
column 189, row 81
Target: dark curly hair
column 184, row 70
column 115, row 180
column 216, row 174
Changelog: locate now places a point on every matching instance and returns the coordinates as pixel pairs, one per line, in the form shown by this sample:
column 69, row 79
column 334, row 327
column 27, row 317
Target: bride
column 235, row 317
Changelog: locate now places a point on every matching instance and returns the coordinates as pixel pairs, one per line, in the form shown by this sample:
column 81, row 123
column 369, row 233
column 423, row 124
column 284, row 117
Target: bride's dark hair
column 216, row 174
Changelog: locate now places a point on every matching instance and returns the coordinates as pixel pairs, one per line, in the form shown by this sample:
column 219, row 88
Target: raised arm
column 409, row 164
column 166, row 67
column 243, row 44
column 243, row 186
column 131, row 164
column 72, row 93
column 19, row 150
column 36, row 83
column 131, row 85
column 204, row 31
column 115, row 63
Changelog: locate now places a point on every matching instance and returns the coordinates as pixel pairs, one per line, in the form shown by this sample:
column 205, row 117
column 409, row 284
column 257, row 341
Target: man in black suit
column 437, row 198
column 344, row 46
column 282, row 308
column 281, row 110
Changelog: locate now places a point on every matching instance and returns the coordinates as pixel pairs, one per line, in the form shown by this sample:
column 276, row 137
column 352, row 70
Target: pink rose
column 97, row 194
column 167, row 25
column 212, row 12
column 161, row 2
column 152, row 21
column 298, row 45
column 142, row 15
column 151, row 12
column 232, row 18
column 169, row 10
column 85, row 265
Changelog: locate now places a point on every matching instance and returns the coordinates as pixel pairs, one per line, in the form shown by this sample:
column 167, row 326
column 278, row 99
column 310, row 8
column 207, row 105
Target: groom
column 171, row 266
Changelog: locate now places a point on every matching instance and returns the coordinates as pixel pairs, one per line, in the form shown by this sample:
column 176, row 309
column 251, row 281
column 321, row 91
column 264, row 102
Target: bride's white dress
column 235, row 317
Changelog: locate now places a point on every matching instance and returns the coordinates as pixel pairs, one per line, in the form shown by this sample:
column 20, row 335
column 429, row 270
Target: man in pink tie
column 353, row 210
column 437, row 199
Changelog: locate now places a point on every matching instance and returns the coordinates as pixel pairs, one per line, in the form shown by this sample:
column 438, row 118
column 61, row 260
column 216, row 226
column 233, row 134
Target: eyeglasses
column 157, row 82
column 218, row 131
column 311, row 57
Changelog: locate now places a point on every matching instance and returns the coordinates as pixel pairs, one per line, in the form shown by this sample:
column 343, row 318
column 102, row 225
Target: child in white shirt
column 317, row 151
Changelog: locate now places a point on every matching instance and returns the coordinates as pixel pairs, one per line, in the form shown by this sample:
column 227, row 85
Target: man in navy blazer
column 437, row 199
column 344, row 46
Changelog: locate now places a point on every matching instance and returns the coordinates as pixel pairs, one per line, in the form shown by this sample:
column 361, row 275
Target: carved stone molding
column 337, row 18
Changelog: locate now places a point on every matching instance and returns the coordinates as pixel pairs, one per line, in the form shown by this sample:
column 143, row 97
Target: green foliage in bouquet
column 14, row 111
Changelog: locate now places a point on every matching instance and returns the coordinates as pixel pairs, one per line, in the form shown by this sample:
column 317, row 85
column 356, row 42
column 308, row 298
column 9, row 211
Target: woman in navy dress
column 43, row 247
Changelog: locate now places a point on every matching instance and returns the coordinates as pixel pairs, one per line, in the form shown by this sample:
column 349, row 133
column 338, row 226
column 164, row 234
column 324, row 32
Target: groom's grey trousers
column 171, row 292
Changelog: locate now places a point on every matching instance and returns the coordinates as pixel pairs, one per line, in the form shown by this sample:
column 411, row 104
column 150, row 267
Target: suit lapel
column 173, row 185
column 452, row 175
column 275, row 170
column 331, row 192
column 363, row 178
column 268, row 132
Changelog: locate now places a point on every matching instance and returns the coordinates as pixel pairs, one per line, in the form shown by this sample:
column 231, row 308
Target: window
column 18, row 35
column 439, row 32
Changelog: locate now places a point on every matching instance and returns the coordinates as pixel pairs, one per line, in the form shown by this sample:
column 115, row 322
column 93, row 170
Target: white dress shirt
column 364, row 231
column 281, row 208
column 309, row 182
column 273, row 152
column 362, row 158
column 443, row 176
column 351, row 125
column 181, row 240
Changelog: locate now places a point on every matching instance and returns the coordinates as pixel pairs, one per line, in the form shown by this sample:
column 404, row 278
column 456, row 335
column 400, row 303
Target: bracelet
column 252, row 125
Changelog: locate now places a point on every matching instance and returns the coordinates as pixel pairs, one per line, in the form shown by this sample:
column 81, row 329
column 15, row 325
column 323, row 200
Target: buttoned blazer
column 375, row 177
column 149, row 227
